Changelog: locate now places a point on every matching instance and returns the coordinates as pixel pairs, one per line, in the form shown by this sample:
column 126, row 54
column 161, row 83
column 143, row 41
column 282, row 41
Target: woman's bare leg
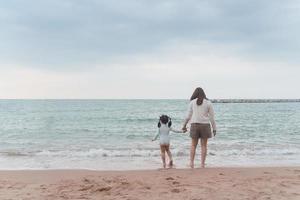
column 193, row 151
column 203, row 151
column 163, row 156
column 170, row 155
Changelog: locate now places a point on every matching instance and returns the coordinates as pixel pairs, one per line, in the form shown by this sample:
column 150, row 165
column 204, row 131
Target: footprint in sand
column 107, row 180
column 175, row 190
column 170, row 179
column 86, row 180
column 43, row 187
column 267, row 173
column 282, row 192
column 103, row 189
column 175, row 183
column 147, row 187
column 84, row 188
column 282, row 184
column 93, row 188
column 124, row 182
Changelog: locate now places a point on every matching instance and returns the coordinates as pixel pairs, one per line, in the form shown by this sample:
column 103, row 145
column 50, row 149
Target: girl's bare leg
column 203, row 151
column 170, row 155
column 193, row 151
column 163, row 156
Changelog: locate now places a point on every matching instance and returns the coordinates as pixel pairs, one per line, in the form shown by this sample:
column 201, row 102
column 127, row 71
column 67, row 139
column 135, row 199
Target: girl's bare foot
column 202, row 165
column 171, row 163
column 164, row 165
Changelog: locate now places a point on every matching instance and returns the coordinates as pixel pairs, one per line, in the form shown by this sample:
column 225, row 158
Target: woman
column 201, row 116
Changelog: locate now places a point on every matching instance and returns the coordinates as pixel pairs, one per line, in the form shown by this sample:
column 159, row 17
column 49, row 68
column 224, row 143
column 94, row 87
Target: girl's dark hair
column 164, row 119
column 198, row 94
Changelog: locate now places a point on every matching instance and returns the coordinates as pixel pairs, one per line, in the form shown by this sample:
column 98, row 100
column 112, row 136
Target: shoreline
column 209, row 183
column 215, row 100
column 150, row 169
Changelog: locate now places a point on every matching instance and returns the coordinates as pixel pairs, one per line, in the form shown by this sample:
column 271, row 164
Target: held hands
column 184, row 129
column 214, row 132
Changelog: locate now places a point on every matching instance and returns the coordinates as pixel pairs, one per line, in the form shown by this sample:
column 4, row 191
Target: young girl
column 164, row 128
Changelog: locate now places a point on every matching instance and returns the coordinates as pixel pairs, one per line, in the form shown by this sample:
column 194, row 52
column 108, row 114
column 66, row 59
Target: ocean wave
column 125, row 152
column 15, row 153
column 138, row 120
column 93, row 153
column 148, row 152
column 141, row 153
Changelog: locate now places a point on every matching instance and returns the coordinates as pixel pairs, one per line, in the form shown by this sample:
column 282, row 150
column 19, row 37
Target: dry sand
column 177, row 184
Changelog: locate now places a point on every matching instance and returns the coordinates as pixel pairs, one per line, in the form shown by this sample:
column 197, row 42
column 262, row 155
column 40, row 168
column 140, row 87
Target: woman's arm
column 212, row 118
column 188, row 116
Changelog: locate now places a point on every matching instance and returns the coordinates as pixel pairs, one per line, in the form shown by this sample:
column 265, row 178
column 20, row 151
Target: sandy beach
column 210, row 183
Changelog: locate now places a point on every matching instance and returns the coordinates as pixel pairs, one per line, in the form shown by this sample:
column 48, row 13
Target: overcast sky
column 149, row 49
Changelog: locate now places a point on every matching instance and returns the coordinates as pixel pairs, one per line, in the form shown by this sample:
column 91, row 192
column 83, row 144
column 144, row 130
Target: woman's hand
column 215, row 132
column 184, row 129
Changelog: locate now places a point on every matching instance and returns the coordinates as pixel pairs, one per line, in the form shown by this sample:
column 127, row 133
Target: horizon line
column 214, row 99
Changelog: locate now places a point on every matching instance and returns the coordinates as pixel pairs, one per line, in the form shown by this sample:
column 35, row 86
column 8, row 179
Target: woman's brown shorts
column 200, row 131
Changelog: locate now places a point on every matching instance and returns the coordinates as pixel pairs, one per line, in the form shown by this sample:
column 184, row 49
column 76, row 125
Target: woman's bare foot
column 202, row 165
column 164, row 165
column 192, row 165
column 171, row 163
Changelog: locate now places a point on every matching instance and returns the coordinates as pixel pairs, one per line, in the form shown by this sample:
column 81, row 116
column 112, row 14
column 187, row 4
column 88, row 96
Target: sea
column 116, row 134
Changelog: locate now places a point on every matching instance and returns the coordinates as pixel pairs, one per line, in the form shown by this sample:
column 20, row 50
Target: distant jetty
column 255, row 100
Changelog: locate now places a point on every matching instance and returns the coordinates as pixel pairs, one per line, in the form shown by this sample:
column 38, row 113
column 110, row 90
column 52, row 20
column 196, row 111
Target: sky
column 81, row 49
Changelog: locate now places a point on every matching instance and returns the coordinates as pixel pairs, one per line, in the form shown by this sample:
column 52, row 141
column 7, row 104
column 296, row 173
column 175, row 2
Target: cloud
column 172, row 75
column 74, row 34
column 149, row 49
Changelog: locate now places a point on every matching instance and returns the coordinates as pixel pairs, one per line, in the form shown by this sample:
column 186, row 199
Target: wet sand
column 177, row 184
